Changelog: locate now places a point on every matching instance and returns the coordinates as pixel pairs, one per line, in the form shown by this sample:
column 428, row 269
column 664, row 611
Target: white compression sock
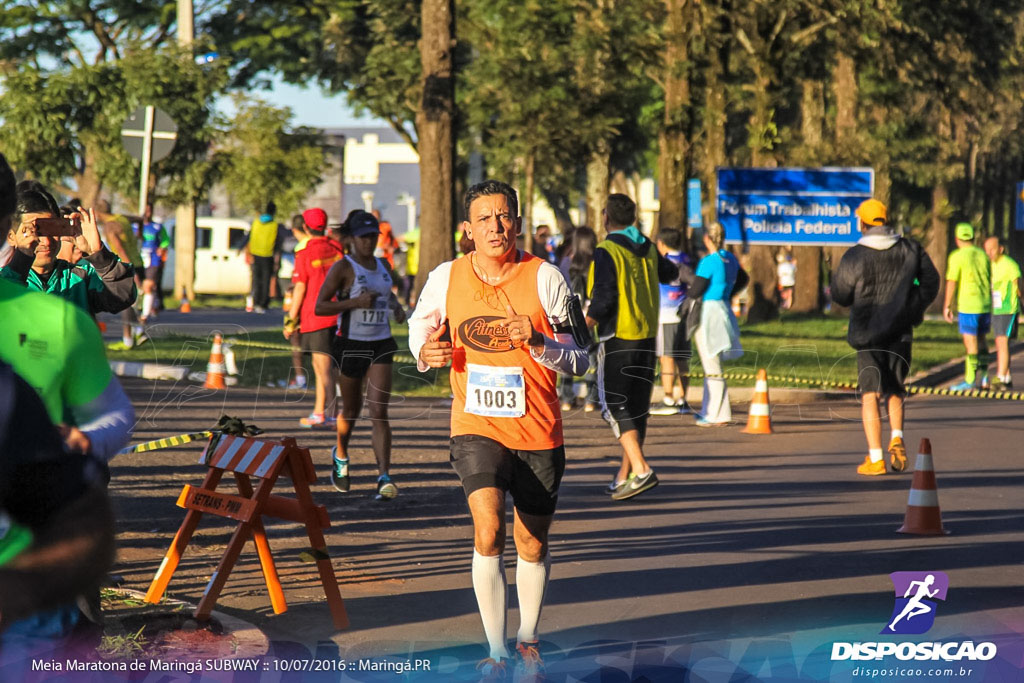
column 531, row 584
column 491, row 591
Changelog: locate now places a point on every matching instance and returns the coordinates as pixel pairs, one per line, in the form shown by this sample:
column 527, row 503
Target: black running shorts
column 532, row 477
column 355, row 357
column 883, row 369
column 317, row 341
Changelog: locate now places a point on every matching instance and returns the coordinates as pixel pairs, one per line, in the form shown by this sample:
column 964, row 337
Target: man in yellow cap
column 887, row 281
column 968, row 279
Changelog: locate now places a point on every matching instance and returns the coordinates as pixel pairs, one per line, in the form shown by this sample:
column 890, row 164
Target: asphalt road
column 750, row 559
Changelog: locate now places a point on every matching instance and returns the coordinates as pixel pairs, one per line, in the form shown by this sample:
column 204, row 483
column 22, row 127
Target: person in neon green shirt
column 1006, row 298
column 968, row 278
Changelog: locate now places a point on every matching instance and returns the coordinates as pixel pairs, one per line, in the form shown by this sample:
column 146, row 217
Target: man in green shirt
column 968, row 277
column 1006, row 297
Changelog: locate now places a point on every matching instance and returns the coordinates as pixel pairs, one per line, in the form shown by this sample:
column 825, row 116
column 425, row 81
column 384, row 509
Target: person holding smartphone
column 100, row 282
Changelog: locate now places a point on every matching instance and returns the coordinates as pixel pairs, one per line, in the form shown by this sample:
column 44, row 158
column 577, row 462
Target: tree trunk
column 812, row 115
column 434, row 124
column 597, row 186
column 559, row 203
column 807, row 292
column 844, row 89
column 714, row 135
column 763, row 304
column 527, row 201
column 938, row 238
column 87, row 182
column 673, row 146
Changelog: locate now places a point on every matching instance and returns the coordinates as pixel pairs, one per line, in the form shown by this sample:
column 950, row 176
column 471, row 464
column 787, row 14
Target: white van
column 220, row 269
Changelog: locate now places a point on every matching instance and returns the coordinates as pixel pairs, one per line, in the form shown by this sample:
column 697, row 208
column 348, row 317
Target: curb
column 124, row 368
column 249, row 641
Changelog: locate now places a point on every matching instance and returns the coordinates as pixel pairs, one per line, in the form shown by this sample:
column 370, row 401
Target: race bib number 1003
column 495, row 391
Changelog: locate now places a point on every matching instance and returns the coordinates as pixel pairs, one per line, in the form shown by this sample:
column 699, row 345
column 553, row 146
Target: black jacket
column 887, row 281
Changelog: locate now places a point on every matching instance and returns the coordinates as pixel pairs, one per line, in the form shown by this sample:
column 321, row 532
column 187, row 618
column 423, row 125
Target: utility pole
column 185, row 216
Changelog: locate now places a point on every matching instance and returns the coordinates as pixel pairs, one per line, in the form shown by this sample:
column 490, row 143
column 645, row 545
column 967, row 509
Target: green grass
column 807, row 347
column 260, row 366
column 122, row 647
column 814, row 347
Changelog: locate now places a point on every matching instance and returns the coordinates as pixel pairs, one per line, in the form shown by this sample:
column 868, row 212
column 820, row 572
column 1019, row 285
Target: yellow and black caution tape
column 270, row 346
column 910, row 388
column 968, row 393
column 167, row 442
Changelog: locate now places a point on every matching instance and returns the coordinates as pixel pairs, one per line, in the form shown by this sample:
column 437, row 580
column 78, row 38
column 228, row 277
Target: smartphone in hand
column 57, row 227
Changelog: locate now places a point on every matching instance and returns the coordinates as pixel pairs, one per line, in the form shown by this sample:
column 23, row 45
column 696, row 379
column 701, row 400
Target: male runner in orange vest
column 505, row 312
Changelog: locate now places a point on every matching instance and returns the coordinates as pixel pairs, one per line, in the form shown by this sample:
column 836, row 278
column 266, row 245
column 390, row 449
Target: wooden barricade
column 248, row 458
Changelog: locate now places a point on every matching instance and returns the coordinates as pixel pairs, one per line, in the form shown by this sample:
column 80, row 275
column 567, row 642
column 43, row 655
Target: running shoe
column 314, row 420
column 664, row 408
column 684, row 407
column 897, row 454
column 566, row 407
column 590, row 407
column 493, row 670
column 529, row 665
column 297, row 382
column 637, row 485
column 963, row 386
column 871, row 469
column 617, row 485
column 703, row 422
column 386, row 489
column 339, row 472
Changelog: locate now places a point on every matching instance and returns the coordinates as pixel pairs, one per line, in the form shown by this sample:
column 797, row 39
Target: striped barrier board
column 247, row 459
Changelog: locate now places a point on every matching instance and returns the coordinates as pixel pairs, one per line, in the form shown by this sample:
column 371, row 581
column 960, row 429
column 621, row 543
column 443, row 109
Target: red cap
column 315, row 219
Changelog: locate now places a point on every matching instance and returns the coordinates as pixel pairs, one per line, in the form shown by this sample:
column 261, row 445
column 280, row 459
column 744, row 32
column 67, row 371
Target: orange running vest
column 474, row 310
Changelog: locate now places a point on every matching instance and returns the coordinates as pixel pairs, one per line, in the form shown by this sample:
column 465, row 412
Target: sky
column 309, row 105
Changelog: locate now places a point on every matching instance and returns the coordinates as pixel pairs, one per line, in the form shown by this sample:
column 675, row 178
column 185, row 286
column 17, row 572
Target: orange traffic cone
column 923, row 515
column 185, row 307
column 760, row 420
column 215, row 368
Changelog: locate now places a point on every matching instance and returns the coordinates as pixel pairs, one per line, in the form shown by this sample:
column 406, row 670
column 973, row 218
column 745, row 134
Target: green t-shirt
column 54, row 345
column 1005, row 273
column 969, row 267
column 71, row 282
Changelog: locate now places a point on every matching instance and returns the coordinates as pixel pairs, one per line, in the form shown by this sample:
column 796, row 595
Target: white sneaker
column 664, row 408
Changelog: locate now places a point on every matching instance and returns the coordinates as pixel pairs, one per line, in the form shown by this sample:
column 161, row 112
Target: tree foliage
column 364, row 48
column 260, row 158
column 65, row 122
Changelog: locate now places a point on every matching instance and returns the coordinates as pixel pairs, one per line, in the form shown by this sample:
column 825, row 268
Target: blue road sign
column 810, row 206
column 1018, row 203
column 694, row 203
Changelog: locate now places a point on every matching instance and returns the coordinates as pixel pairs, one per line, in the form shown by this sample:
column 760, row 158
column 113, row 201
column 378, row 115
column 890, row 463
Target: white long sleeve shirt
column 559, row 353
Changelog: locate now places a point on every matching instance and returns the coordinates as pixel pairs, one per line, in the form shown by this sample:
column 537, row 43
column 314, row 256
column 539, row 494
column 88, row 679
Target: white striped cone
column 759, row 419
column 215, row 369
column 923, row 516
